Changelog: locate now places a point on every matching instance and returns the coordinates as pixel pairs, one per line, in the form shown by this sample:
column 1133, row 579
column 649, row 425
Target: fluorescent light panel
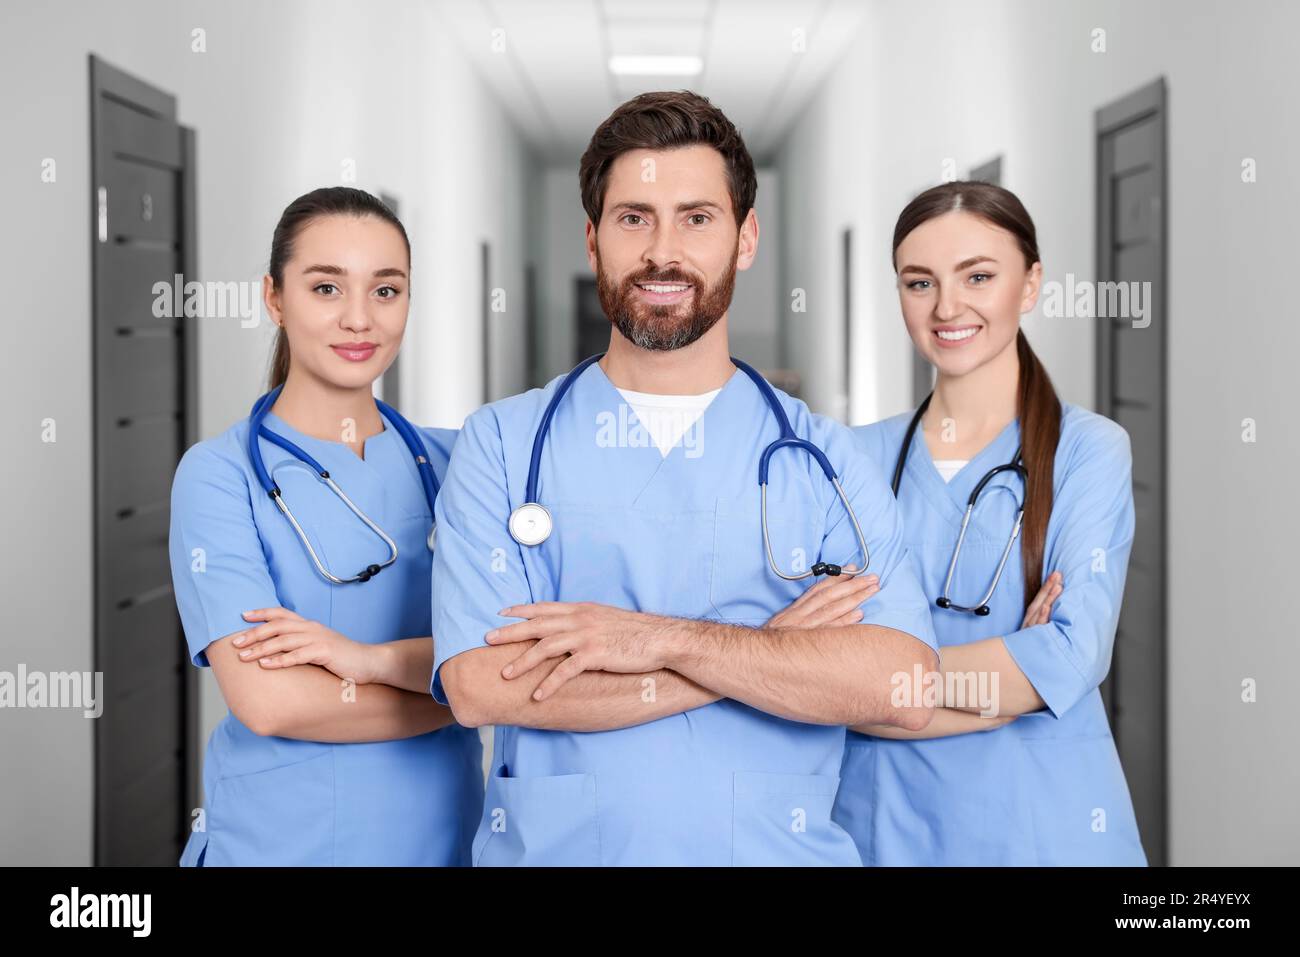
column 647, row 65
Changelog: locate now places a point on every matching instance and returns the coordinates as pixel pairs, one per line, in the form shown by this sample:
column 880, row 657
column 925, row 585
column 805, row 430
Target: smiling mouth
column 664, row 288
column 956, row 335
column 663, row 293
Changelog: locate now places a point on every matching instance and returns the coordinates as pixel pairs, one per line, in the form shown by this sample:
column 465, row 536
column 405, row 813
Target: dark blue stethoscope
column 257, row 429
column 531, row 523
column 944, row 601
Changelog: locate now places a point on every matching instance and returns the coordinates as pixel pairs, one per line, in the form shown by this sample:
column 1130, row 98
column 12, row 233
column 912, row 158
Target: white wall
column 284, row 94
column 928, row 81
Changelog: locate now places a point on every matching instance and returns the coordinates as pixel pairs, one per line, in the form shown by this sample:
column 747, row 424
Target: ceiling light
column 656, row 65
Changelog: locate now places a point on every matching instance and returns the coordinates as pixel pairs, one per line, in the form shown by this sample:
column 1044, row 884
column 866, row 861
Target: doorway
column 1132, row 389
column 142, row 226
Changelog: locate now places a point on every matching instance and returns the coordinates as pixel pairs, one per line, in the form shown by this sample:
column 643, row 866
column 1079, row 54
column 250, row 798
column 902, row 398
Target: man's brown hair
column 665, row 121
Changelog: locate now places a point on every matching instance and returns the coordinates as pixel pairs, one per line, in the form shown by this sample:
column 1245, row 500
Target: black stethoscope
column 943, row 601
column 531, row 523
column 257, row 429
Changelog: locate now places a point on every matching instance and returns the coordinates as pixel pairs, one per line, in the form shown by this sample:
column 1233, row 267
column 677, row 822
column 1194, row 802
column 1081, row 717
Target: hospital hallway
column 150, row 147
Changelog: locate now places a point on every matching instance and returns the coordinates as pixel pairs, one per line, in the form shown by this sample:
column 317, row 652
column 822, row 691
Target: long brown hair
column 327, row 201
column 1037, row 405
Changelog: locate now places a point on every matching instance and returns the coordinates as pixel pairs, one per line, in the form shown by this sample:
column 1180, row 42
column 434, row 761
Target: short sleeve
column 219, row 569
column 1090, row 537
column 477, row 567
column 901, row 603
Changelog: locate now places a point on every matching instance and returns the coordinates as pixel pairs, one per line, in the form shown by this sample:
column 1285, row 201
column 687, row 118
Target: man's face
column 667, row 249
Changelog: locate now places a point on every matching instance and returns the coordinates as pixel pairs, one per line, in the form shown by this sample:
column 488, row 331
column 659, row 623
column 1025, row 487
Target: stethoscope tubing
column 424, row 468
column 536, row 519
column 945, row 600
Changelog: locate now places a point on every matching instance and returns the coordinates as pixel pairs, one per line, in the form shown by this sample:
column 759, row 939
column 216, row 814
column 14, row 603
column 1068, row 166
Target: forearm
column 945, row 723
column 985, row 664
column 308, row 703
column 592, row 701
column 406, row 664
column 832, row 675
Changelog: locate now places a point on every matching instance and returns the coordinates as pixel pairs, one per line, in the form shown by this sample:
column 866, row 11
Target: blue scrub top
column 677, row 535
column 280, row 801
column 1048, row 787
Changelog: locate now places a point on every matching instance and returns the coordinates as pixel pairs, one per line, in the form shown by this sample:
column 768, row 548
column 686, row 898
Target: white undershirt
column 667, row 417
column 949, row 467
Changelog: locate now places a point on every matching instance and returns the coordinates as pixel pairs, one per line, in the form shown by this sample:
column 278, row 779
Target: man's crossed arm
column 590, row 667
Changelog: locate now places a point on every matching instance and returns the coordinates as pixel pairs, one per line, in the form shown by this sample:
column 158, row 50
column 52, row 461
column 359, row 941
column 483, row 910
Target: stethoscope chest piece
column 433, row 537
column 530, row 524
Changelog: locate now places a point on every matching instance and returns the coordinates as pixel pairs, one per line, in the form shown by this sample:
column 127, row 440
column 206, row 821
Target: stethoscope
column 423, row 467
column 531, row 523
column 943, row 601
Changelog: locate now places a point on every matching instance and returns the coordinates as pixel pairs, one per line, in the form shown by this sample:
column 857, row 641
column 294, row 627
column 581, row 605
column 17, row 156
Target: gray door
column 532, row 374
column 593, row 325
column 1132, row 390
column 142, row 229
column 390, row 384
column 990, row 172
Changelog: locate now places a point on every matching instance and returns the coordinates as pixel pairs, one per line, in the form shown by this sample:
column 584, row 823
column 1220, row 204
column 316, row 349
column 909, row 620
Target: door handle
column 102, row 213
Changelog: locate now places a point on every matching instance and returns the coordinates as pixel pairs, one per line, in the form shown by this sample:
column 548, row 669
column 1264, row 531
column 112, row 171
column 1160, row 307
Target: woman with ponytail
column 1018, row 766
column 317, row 623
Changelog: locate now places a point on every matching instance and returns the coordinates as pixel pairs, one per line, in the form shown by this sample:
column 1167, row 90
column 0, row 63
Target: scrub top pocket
column 280, row 817
column 1091, row 822
column 782, row 820
column 532, row 821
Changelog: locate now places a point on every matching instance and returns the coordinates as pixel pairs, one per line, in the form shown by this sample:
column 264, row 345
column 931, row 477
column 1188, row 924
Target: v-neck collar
column 651, row 465
column 277, row 424
column 950, row 498
column 677, row 450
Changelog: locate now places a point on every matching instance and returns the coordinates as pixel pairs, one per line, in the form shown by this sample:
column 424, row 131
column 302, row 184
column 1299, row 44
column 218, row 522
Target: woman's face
column 963, row 285
column 343, row 299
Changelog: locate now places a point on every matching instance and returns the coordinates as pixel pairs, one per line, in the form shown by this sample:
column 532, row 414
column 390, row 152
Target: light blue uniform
column 718, row 785
column 279, row 801
column 1046, row 788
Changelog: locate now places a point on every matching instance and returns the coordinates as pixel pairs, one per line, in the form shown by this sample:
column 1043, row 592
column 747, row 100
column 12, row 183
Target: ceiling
column 547, row 61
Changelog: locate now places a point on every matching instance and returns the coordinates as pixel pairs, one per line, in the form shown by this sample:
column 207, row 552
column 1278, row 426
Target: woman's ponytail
column 1039, row 410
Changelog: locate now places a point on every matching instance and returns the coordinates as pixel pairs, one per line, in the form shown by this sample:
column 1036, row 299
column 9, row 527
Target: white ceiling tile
column 553, row 74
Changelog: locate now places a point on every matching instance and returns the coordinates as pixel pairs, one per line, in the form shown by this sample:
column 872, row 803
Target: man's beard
column 664, row 327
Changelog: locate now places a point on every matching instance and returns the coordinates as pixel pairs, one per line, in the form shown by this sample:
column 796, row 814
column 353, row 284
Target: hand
column 287, row 639
column 1039, row 611
column 832, row 601
column 593, row 637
